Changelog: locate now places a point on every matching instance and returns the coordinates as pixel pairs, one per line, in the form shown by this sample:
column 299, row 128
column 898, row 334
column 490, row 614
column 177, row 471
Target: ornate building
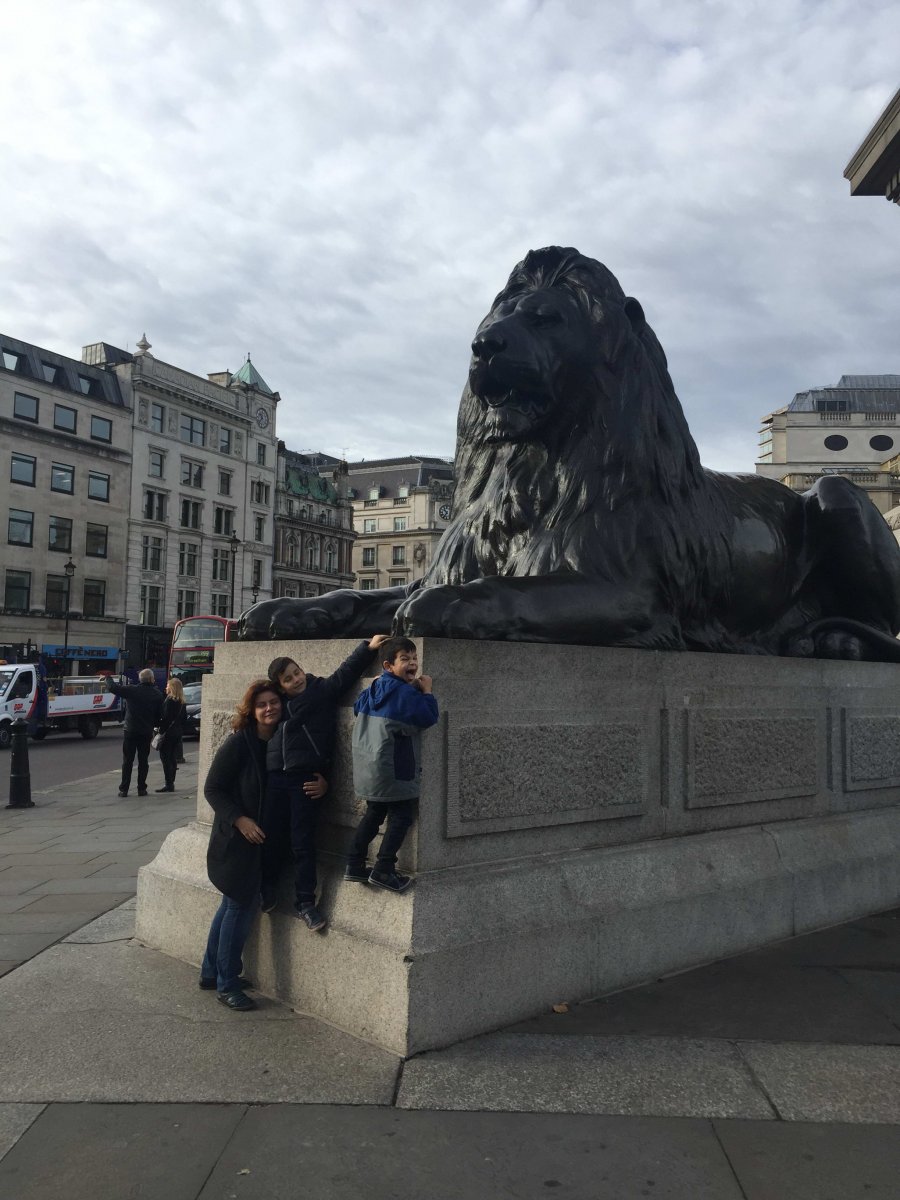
column 313, row 525
column 401, row 507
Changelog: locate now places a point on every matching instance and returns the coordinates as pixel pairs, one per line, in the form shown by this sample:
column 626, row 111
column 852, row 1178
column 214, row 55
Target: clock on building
column 444, row 512
column 262, row 417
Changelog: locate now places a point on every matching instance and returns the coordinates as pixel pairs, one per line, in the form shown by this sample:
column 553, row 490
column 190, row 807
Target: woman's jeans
column 229, row 931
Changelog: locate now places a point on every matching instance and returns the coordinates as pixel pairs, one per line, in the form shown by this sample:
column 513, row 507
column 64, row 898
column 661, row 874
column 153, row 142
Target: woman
column 235, row 788
column 171, row 724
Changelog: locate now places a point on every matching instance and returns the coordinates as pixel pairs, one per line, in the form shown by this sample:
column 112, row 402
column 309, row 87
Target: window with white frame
column 151, row 552
column 221, row 565
column 154, row 505
column 187, row 603
column 151, row 603
column 190, row 514
column 187, row 558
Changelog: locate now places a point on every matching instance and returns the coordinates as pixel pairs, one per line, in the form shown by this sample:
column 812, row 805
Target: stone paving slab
column 24, row 945
column 332, row 1153
column 881, row 988
column 829, row 1083
column 115, row 1022
column 14, row 1120
column 734, row 1001
column 778, row 1161
column 83, row 904
column 630, row 1076
column 96, row 883
column 59, row 923
column 110, row 1152
column 865, row 942
column 116, row 925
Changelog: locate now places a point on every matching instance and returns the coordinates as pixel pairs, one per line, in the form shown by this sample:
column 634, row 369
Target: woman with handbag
column 235, row 789
column 170, row 727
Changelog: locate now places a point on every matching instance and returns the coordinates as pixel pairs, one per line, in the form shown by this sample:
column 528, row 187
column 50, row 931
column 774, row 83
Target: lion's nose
column 487, row 344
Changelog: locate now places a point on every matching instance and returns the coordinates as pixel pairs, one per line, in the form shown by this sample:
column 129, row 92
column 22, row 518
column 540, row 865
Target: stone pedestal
column 589, row 819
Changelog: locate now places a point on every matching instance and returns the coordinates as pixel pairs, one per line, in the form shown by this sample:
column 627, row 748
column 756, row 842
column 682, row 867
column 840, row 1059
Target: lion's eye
column 545, row 317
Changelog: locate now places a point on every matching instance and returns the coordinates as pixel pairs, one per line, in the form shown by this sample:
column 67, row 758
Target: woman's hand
column 316, row 787
column 250, row 830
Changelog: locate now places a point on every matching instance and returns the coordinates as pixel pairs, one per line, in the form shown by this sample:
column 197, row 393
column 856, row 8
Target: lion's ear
column 635, row 313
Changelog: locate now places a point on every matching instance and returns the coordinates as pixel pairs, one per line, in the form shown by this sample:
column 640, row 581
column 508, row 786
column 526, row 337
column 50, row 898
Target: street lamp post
column 233, row 544
column 254, row 591
column 69, row 569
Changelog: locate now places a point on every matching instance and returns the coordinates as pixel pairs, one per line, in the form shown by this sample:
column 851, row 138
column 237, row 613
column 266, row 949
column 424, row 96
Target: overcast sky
column 341, row 188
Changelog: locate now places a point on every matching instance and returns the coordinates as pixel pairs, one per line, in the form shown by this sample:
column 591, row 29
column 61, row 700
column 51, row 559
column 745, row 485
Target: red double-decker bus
column 194, row 640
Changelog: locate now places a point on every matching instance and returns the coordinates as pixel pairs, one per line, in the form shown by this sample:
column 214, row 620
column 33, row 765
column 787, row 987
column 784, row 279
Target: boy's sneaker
column 354, row 874
column 393, row 881
column 310, row 916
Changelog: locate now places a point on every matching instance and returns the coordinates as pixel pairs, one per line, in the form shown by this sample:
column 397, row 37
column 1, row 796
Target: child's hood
column 382, row 689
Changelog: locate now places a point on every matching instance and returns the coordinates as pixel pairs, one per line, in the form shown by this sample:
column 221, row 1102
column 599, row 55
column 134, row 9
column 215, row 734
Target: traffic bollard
column 19, row 771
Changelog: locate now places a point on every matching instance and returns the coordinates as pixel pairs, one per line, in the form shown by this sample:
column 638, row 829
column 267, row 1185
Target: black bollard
column 19, row 771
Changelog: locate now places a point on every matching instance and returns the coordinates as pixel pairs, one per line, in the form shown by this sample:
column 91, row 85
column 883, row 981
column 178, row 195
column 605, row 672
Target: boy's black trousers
column 399, row 815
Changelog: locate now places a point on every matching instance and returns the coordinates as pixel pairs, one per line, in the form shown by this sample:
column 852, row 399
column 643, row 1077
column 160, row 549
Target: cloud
column 341, row 190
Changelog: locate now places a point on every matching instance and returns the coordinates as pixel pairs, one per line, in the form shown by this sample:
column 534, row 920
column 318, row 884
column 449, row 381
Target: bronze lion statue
column 582, row 513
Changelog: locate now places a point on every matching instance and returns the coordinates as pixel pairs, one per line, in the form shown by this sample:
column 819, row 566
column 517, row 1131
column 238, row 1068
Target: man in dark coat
column 144, row 704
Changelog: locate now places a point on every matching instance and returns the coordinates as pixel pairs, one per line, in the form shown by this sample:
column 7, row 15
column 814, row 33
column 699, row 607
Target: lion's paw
column 287, row 617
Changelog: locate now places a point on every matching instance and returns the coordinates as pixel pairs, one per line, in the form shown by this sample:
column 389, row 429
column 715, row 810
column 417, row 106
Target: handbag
column 156, row 741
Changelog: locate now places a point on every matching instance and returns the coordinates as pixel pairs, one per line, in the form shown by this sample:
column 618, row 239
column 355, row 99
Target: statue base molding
column 590, row 819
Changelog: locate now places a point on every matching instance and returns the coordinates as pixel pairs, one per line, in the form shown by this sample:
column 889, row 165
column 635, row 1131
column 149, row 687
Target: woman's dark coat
column 173, row 713
column 235, row 786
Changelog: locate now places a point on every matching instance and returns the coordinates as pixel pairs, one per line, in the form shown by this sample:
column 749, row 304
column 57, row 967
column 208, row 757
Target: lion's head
column 569, row 414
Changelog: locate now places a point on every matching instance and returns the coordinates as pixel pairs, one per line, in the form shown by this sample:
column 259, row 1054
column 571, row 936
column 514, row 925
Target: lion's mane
column 614, row 480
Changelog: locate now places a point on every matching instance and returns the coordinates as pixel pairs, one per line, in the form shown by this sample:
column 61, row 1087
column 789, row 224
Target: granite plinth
column 589, row 819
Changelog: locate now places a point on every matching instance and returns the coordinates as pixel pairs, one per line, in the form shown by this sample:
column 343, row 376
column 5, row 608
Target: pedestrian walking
column 143, row 709
column 171, row 724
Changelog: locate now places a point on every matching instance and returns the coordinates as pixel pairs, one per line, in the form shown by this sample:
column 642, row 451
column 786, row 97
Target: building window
column 187, row 603
column 86, row 385
column 48, row 371
column 158, row 418
column 150, row 603
column 23, row 469
column 187, row 558
column 370, row 503
column 193, row 430
column 259, row 529
column 398, row 555
column 291, row 551
column 18, row 590
column 367, row 585
column 95, row 540
column 259, row 492
column 94, row 604
column 98, row 486
column 831, row 406
column 60, row 537
column 398, row 582
column 219, row 604
column 62, row 478
column 257, row 572
column 399, row 524
column 368, row 559
column 154, row 505
column 261, row 454
column 25, row 408
column 65, row 418
column 101, row 430
column 190, row 514
column 151, row 552
column 157, row 464
column 57, row 594
column 21, row 527
column 370, row 524
column 836, row 441
column 221, row 565
column 224, row 483
column 191, row 473
column 223, row 519
column 330, row 557
column 312, row 554
column 224, row 440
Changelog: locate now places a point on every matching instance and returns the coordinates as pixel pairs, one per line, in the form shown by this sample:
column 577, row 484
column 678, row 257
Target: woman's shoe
column 165, row 789
column 238, row 1001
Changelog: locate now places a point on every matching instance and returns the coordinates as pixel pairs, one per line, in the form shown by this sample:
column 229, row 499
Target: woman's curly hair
column 243, row 715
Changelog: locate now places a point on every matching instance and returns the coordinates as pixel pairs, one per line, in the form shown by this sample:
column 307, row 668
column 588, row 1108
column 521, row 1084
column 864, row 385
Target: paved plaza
column 773, row 1074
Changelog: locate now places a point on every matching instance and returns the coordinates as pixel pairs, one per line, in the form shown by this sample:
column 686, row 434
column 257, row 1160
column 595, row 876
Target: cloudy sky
column 340, row 187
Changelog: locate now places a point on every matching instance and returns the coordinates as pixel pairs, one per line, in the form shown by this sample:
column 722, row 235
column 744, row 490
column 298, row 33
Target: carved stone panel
column 871, row 744
column 737, row 756
column 510, row 772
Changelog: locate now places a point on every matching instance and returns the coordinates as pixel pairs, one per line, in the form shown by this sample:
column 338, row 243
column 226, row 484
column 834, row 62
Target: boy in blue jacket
column 387, row 737
column 298, row 757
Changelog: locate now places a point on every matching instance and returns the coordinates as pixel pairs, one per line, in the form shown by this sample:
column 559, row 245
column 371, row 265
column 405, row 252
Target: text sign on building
column 81, row 651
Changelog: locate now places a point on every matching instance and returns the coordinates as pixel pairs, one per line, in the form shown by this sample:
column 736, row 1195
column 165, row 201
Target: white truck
column 76, row 702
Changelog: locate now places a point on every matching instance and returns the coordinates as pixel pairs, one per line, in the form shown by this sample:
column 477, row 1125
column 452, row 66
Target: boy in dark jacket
column 387, row 737
column 298, row 759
